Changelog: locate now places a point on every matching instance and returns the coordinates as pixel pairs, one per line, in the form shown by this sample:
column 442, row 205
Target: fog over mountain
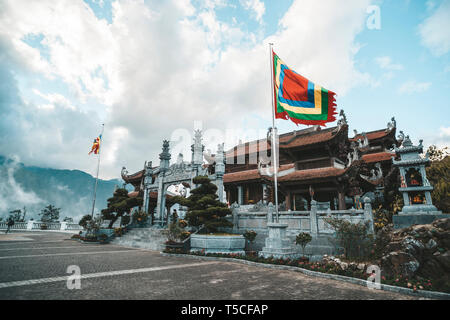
column 35, row 188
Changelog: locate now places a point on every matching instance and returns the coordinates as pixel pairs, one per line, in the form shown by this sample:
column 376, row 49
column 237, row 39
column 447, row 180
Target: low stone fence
column 312, row 221
column 39, row 225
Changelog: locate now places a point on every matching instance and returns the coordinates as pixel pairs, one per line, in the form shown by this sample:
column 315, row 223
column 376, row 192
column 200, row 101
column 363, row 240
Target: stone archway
column 181, row 172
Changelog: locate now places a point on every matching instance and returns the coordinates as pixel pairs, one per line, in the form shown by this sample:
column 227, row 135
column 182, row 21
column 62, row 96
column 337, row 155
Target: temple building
column 323, row 164
column 314, row 163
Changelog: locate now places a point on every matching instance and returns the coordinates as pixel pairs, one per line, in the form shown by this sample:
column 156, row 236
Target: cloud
column 414, row 87
column 12, row 195
column 157, row 67
column 435, row 30
column 385, row 63
column 440, row 138
column 257, row 8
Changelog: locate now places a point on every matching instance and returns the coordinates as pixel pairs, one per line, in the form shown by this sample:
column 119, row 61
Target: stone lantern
column 415, row 187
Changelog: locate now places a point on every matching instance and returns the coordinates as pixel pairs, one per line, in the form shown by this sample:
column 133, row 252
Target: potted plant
column 250, row 236
column 303, row 239
column 103, row 238
column 176, row 236
column 207, row 212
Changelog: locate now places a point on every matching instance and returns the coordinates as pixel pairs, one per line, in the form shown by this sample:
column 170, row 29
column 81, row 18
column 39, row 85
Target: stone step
column 145, row 238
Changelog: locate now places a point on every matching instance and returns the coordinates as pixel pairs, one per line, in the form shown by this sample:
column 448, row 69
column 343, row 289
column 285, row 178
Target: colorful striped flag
column 300, row 100
column 96, row 145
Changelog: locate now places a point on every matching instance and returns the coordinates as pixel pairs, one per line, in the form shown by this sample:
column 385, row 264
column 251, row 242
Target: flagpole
column 274, row 133
column 98, row 169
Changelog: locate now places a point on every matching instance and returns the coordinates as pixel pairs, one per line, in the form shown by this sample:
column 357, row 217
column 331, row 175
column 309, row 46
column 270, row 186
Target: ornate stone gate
column 160, row 178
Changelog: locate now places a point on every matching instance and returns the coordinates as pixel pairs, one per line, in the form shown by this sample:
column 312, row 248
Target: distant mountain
column 35, row 188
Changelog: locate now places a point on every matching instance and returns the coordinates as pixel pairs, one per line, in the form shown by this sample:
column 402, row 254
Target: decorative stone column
column 368, row 214
column 313, row 219
column 235, row 212
column 164, row 158
column 220, row 171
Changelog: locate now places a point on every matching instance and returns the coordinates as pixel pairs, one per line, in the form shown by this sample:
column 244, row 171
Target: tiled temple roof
column 252, row 174
column 292, row 139
column 373, row 135
column 135, row 177
column 309, row 174
column 298, row 175
column 378, row 157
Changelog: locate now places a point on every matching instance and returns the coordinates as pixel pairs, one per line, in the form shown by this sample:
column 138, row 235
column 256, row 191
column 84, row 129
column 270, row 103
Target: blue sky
column 150, row 69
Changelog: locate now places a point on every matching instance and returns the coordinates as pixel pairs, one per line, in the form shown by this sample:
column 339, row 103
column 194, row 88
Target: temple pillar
column 341, row 199
column 264, row 188
column 240, row 195
column 288, row 201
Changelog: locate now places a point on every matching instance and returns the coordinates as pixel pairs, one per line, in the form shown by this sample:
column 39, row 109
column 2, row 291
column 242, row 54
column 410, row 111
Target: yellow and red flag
column 96, row 145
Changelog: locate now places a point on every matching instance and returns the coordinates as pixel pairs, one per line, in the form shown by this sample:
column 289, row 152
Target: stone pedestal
column 405, row 220
column 278, row 245
column 218, row 244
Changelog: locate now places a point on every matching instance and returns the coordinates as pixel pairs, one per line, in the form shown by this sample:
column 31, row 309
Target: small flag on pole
column 96, row 145
column 300, row 100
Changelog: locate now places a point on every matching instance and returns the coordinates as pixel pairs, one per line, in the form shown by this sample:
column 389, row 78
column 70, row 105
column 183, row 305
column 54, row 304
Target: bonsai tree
column 250, row 236
column 49, row 214
column 303, row 239
column 203, row 206
column 16, row 215
column 84, row 220
column 118, row 205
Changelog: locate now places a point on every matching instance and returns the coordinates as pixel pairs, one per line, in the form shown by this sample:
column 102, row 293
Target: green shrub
column 303, row 239
column 354, row 238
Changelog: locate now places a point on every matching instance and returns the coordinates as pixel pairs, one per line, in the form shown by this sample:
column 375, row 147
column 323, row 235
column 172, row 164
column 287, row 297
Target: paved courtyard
column 33, row 265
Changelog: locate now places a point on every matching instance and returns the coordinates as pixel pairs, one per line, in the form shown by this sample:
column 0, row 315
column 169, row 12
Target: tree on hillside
column 68, row 219
column 50, row 213
column 439, row 176
column 16, row 215
column 204, row 207
column 118, row 205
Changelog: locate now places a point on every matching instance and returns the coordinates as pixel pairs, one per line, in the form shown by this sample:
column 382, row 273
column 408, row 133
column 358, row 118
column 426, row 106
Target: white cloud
column 414, row 87
column 161, row 65
column 440, row 138
column 257, row 8
column 55, row 99
column 385, row 63
column 435, row 30
column 11, row 192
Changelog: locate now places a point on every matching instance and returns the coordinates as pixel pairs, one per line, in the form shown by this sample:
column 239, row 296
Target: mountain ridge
column 35, row 187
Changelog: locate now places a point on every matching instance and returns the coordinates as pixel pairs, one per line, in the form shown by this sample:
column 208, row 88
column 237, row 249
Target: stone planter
column 218, row 244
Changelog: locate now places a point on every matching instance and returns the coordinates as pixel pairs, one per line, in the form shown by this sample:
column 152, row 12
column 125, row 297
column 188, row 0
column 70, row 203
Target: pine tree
column 118, row 205
column 50, row 213
column 204, row 208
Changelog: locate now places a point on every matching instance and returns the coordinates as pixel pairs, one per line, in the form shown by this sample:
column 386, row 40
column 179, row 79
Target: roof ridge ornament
column 391, row 124
column 401, row 137
column 407, row 142
column 343, row 118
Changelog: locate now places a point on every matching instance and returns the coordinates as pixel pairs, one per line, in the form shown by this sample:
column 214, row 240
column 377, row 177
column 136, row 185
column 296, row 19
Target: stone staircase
column 144, row 238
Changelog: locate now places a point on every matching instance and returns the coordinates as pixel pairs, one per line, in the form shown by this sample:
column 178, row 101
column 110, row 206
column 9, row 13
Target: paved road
column 33, row 265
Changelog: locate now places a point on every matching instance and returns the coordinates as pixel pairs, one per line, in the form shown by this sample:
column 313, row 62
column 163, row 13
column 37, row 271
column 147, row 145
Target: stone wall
column 312, row 222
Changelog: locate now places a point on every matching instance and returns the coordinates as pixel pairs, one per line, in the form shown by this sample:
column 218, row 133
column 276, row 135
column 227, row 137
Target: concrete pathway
column 35, row 266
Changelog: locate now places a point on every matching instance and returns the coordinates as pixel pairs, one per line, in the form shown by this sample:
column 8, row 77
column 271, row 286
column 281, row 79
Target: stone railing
column 39, row 225
column 312, row 221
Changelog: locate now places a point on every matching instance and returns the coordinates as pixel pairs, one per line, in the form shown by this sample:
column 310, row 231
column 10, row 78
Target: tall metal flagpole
column 98, row 168
column 274, row 133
